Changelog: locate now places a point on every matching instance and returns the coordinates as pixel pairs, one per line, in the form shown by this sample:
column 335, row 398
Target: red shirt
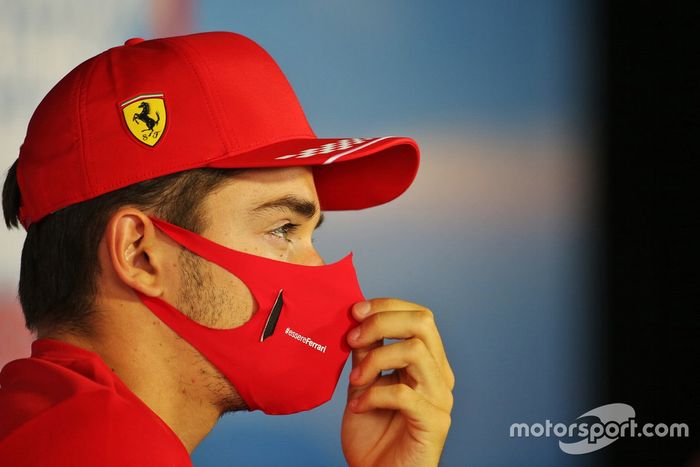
column 63, row 406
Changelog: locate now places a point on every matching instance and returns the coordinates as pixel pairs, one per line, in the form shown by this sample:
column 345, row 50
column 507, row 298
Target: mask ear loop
column 273, row 317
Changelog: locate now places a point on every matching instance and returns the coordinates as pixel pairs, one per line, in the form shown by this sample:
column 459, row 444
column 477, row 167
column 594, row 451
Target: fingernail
column 355, row 373
column 353, row 404
column 362, row 308
column 354, row 334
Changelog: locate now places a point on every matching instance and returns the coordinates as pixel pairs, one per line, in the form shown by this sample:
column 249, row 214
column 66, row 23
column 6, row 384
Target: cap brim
column 349, row 173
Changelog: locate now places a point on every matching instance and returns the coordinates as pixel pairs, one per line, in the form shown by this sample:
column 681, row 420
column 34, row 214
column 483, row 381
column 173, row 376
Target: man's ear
column 135, row 253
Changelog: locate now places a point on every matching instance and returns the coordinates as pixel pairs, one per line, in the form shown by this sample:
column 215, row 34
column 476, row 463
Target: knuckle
column 416, row 348
column 451, row 379
column 444, row 422
column 370, row 361
column 426, row 320
column 450, row 400
column 368, row 330
column 374, row 322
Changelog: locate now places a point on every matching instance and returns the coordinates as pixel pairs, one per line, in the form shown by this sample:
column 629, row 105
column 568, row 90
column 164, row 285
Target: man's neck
column 164, row 371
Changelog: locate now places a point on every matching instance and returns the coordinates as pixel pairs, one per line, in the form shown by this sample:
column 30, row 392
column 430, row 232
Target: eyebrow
column 303, row 207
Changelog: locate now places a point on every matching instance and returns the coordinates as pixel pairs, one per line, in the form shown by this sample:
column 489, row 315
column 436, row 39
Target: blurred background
column 497, row 235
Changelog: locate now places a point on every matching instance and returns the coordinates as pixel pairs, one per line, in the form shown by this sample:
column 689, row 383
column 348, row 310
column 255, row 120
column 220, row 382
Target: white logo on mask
column 305, row 340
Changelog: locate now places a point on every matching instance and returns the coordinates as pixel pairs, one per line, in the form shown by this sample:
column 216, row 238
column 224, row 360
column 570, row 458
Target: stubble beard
column 199, row 300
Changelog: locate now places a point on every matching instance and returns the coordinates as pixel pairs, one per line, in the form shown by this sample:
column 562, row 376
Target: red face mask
column 288, row 357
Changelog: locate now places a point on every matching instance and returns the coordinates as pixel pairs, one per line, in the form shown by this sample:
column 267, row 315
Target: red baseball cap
column 215, row 99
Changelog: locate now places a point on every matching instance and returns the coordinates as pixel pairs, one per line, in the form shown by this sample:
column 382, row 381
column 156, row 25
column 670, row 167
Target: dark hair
column 59, row 267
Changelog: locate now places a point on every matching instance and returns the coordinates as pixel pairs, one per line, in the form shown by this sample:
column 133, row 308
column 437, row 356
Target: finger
column 410, row 354
column 394, row 397
column 413, row 356
column 379, row 305
column 364, row 310
column 379, row 380
column 380, row 321
column 358, row 355
column 400, row 397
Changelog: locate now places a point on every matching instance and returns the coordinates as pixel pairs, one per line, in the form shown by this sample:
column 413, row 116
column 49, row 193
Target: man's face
column 266, row 212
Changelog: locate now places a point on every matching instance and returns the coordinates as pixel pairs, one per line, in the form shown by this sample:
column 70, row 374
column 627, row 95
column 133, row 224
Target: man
column 170, row 189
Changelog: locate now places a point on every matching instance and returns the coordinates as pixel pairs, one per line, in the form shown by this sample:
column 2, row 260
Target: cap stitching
column 184, row 54
column 82, row 140
column 266, row 142
column 214, row 90
column 289, row 84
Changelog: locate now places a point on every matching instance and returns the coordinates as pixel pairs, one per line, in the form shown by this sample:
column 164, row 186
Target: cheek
column 268, row 246
column 234, row 304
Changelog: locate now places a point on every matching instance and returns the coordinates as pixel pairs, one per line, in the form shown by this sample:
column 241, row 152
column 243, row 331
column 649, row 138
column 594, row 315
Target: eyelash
column 284, row 230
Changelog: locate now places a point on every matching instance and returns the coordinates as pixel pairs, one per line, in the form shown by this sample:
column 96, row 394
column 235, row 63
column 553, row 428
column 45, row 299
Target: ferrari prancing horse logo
column 145, row 117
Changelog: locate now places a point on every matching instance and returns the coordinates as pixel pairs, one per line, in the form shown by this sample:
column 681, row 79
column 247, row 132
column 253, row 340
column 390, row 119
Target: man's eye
column 284, row 230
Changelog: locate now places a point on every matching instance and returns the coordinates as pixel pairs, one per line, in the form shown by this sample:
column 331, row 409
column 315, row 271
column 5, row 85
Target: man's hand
column 402, row 418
